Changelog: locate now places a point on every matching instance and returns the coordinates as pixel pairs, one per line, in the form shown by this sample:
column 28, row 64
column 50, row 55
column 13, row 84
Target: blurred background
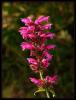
column 15, row 70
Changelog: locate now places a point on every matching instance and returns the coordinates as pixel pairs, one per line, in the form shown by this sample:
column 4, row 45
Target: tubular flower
column 45, row 63
column 33, row 64
column 51, row 79
column 47, row 55
column 37, row 82
column 48, row 80
column 46, row 27
column 47, row 36
column 25, row 45
column 41, row 19
column 34, row 67
column 35, row 36
column 50, row 35
column 27, row 32
column 23, row 32
column 27, row 20
column 32, row 61
column 48, row 47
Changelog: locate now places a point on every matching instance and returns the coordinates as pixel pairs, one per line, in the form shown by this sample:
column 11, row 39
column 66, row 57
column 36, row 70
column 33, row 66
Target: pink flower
column 34, row 80
column 46, row 27
column 43, row 35
column 37, row 82
column 51, row 79
column 27, row 20
column 48, row 80
column 32, row 61
column 34, row 67
column 50, row 46
column 23, row 28
column 31, row 29
column 33, row 64
column 25, row 45
column 31, row 36
column 41, row 83
column 41, row 47
column 41, row 19
column 23, row 32
column 45, row 63
column 46, row 35
column 47, row 55
column 35, row 33
column 28, row 29
column 50, row 35
column 27, row 32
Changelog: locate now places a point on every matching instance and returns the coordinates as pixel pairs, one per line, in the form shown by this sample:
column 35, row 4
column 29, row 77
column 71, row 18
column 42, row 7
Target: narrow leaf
column 53, row 93
column 39, row 90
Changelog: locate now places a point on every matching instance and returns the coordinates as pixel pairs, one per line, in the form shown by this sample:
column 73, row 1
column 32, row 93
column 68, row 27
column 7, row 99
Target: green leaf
column 53, row 93
column 39, row 90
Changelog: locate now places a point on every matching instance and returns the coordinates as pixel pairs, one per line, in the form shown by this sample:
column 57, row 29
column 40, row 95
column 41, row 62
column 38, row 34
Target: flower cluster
column 35, row 34
column 47, row 81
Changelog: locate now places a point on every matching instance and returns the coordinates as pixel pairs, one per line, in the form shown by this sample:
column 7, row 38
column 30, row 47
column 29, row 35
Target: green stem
column 47, row 94
column 41, row 73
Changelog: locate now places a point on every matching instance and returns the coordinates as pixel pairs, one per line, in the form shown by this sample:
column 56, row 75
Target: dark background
column 15, row 70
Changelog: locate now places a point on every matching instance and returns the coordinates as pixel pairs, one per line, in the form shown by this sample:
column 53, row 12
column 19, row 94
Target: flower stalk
column 35, row 35
column 47, row 94
column 41, row 75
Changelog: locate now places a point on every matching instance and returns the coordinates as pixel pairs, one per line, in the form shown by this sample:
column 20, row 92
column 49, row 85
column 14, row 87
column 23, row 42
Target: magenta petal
column 38, row 19
column 51, row 79
column 31, row 29
column 31, row 36
column 33, row 64
column 47, row 55
column 23, row 28
column 32, row 61
column 41, row 47
column 41, row 19
column 37, row 82
column 28, row 29
column 54, row 79
column 26, row 20
column 25, row 45
column 34, row 67
column 34, row 80
column 43, row 35
column 47, row 78
column 52, row 46
column 23, row 32
column 45, row 63
column 50, row 35
column 47, row 26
